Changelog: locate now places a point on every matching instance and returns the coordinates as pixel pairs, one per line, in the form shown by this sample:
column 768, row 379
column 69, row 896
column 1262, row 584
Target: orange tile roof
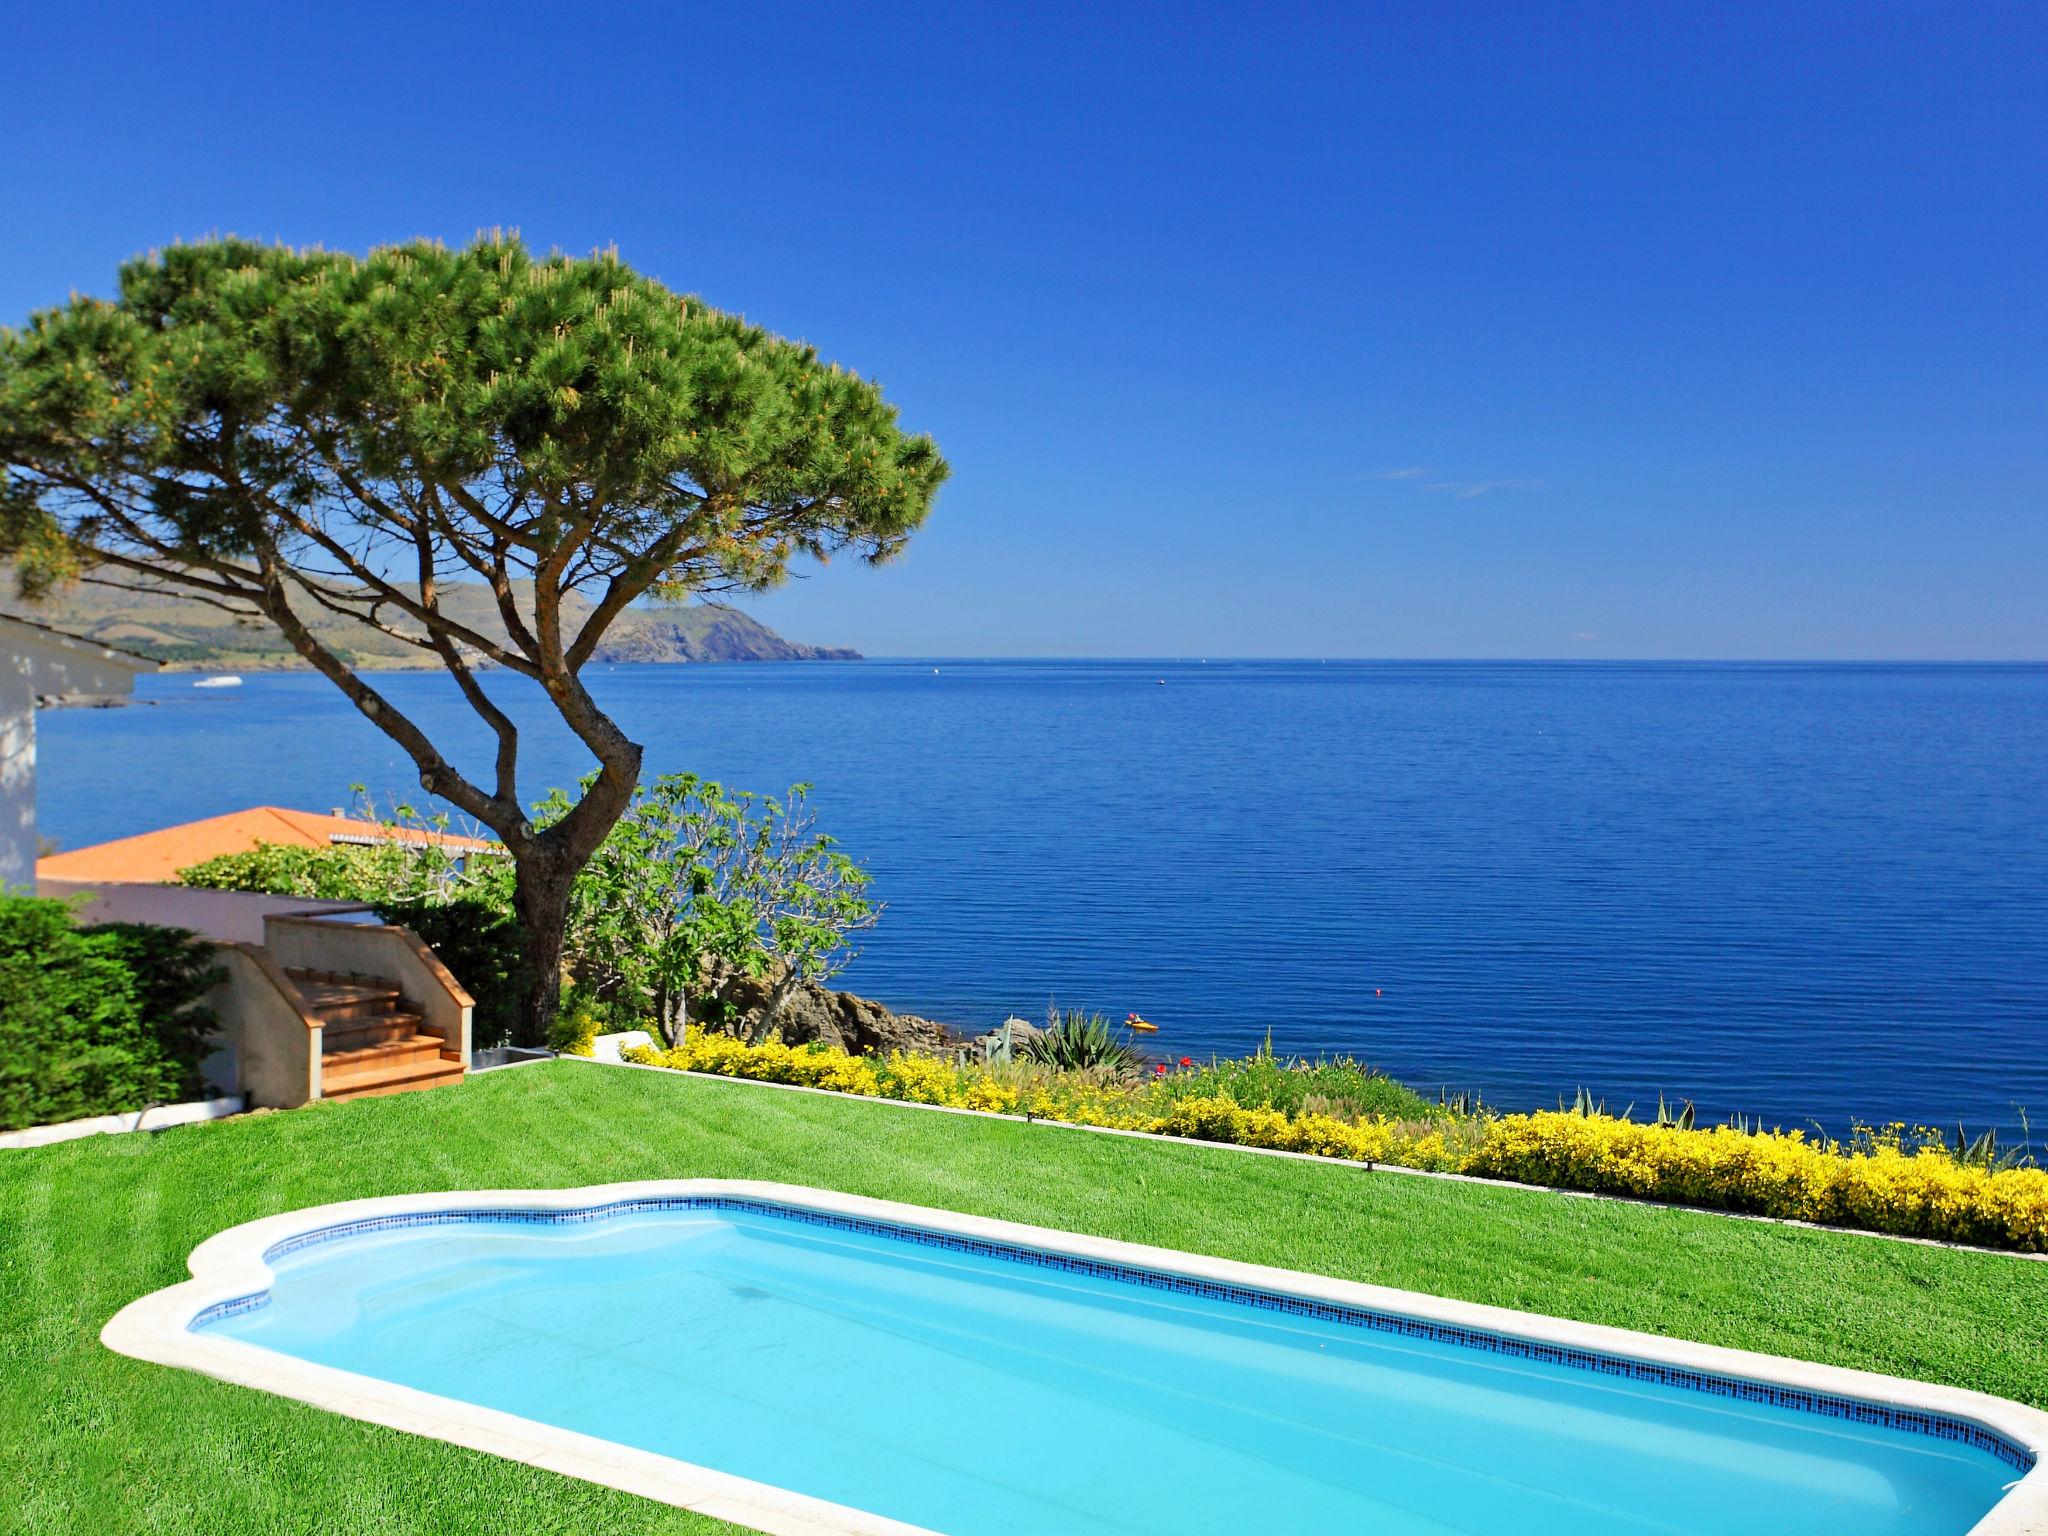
column 156, row 857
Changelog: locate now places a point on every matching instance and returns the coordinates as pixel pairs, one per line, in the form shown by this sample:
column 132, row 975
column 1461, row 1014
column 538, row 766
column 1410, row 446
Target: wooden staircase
column 372, row 1041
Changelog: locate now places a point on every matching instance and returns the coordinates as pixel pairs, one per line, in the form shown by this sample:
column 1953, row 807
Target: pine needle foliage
column 279, row 431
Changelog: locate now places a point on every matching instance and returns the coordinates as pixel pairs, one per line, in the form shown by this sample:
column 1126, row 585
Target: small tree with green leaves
column 405, row 861
column 693, row 873
column 276, row 431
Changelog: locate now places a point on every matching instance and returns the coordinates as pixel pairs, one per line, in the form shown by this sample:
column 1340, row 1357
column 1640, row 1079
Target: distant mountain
column 184, row 633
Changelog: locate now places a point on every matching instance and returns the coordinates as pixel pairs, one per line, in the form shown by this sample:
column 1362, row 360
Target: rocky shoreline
column 810, row 1013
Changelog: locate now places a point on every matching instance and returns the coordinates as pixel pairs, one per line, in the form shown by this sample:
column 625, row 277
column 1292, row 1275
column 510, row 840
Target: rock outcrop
column 730, row 999
column 1006, row 1042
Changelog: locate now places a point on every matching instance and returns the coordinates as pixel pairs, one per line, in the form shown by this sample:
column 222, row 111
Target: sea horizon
column 1803, row 891
column 1488, row 661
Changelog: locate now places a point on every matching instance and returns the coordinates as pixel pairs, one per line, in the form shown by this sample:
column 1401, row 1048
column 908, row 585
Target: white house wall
column 17, row 771
column 36, row 663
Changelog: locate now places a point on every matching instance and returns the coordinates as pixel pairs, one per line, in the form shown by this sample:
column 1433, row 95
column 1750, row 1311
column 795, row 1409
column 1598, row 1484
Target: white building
column 42, row 665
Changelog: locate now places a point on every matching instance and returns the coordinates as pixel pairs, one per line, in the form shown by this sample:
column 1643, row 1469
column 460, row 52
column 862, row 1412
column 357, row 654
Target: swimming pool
column 800, row 1361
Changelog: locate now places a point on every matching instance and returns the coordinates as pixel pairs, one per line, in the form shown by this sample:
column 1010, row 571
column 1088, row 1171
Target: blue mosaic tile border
column 1912, row 1420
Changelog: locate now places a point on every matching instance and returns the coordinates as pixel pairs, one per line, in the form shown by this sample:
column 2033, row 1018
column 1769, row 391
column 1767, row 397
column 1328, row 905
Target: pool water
column 971, row 1393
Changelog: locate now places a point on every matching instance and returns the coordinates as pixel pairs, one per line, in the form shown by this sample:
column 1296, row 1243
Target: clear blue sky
column 1640, row 330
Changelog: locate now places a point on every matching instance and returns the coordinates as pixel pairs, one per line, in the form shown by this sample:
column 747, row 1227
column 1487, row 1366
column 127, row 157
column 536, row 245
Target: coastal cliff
column 716, row 633
column 186, row 634
column 730, row 999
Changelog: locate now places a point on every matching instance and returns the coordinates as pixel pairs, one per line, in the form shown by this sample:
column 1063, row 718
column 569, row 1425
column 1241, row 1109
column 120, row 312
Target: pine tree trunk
column 545, row 871
column 540, row 896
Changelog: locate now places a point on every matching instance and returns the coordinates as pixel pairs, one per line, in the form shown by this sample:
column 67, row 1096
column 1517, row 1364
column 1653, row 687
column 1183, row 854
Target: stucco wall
column 233, row 917
column 276, row 1047
column 63, row 672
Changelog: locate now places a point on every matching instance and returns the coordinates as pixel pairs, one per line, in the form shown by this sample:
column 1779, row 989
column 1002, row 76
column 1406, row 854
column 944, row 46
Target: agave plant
column 1583, row 1103
column 1464, row 1104
column 1684, row 1117
column 1076, row 1040
column 1983, row 1151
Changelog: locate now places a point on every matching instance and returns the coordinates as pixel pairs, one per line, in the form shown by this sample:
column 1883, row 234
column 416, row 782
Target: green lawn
column 93, row 1442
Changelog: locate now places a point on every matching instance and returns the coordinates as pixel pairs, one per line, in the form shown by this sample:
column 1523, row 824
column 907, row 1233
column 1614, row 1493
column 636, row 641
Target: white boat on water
column 227, row 681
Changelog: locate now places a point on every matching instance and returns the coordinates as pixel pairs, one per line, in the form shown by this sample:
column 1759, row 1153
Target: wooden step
column 334, row 1001
column 349, row 1068
column 377, row 1029
column 439, row 1074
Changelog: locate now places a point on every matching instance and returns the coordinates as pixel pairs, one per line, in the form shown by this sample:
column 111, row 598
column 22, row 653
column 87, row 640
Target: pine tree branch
column 157, row 588
column 437, row 775
column 434, row 623
column 507, row 765
column 622, row 590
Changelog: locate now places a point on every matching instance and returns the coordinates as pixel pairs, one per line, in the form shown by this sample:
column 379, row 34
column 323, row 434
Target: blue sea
column 1810, row 893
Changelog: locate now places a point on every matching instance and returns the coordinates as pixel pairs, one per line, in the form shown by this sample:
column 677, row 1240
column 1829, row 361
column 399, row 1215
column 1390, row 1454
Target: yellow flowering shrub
column 921, row 1079
column 1883, row 1185
column 1921, row 1192
column 575, row 1034
column 770, row 1062
column 1362, row 1141
column 997, row 1098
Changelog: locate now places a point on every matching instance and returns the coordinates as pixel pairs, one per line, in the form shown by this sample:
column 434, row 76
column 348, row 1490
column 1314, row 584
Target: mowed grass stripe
column 95, row 1442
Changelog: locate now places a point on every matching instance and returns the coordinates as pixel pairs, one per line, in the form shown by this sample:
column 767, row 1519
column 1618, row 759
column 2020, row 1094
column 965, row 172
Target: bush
column 1339, row 1086
column 173, row 970
column 1917, row 1191
column 342, row 873
column 1882, row 1183
column 399, row 865
column 584, row 1015
column 96, row 1021
column 1087, row 1096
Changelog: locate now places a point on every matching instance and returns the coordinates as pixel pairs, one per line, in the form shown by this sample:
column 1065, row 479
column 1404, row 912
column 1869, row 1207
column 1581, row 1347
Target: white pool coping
column 230, row 1266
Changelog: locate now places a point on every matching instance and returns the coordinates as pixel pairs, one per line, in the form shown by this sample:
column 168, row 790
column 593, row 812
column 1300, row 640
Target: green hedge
column 483, row 950
column 96, row 1021
column 344, row 872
